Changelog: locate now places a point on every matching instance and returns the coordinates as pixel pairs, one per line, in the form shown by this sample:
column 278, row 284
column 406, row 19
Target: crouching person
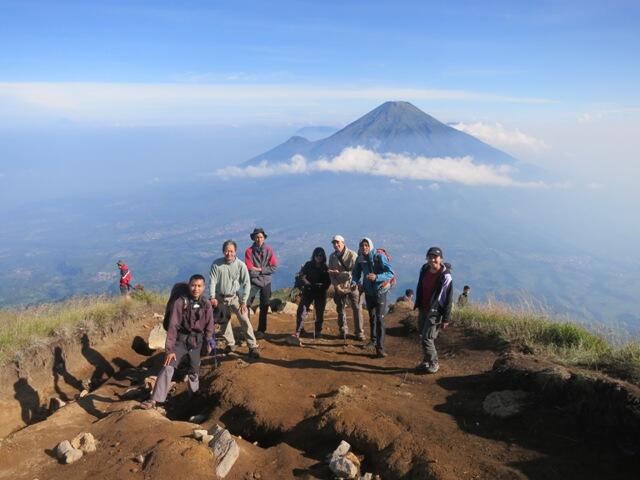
column 190, row 325
column 433, row 300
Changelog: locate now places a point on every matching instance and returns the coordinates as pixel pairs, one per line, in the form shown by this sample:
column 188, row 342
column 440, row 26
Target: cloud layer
column 501, row 137
column 362, row 161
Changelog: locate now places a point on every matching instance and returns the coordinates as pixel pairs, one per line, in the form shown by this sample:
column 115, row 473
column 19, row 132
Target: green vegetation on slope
column 20, row 328
column 563, row 340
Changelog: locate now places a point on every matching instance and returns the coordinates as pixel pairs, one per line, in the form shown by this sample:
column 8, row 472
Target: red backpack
column 377, row 267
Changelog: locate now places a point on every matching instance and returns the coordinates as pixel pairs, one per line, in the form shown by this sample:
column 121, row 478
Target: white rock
column 367, row 476
column 158, row 316
column 505, row 403
column 62, row 449
column 342, row 449
column 84, row 393
column 85, row 442
column 344, row 467
column 150, row 382
column 198, row 419
column 199, row 433
column 290, row 308
column 157, row 337
column 73, row 455
column 55, row 404
column 225, row 450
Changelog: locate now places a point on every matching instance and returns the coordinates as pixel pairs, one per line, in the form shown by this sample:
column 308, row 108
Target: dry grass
column 532, row 329
column 20, row 328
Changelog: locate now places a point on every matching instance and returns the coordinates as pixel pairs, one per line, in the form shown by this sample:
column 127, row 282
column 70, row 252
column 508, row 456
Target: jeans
column 377, row 307
column 319, row 300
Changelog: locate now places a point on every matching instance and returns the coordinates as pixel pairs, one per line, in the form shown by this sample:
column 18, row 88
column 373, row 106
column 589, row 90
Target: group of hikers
column 356, row 276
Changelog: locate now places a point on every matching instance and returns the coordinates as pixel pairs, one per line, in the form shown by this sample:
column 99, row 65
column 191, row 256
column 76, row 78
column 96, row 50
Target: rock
column 199, row 418
column 289, row 308
column 139, row 459
column 344, row 390
column 293, row 341
column 505, row 403
column 84, row 393
column 150, row 382
column 225, row 450
column 66, row 453
column 158, row 316
column 157, row 337
column 367, row 476
column 276, row 305
column 198, row 434
column 55, row 404
column 345, row 467
column 85, row 442
column 342, row 450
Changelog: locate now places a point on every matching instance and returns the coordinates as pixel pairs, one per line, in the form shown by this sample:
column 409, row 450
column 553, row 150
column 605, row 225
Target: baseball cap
column 437, row 251
column 338, row 238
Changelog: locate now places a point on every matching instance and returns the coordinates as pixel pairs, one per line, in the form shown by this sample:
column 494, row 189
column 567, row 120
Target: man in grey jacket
column 341, row 263
column 229, row 287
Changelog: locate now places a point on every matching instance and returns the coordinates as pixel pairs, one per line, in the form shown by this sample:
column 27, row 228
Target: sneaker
column 361, row 338
column 380, row 353
column 422, row 367
column 433, row 368
column 259, row 334
column 254, row 353
column 230, row 348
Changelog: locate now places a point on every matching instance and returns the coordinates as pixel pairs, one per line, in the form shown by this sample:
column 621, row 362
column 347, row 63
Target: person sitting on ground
column 229, row 287
column 407, row 297
column 341, row 263
column 433, row 301
column 262, row 263
column 190, row 325
column 463, row 299
column 314, row 277
column 376, row 273
column 125, row 278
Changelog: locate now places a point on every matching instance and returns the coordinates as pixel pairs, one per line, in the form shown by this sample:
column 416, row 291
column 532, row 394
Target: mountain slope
column 393, row 127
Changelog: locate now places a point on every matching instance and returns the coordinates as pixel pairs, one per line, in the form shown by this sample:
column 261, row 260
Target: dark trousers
column 265, row 295
column 377, row 307
column 319, row 300
column 428, row 334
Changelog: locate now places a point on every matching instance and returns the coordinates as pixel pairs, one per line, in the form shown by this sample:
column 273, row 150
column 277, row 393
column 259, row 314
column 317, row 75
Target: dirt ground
column 292, row 407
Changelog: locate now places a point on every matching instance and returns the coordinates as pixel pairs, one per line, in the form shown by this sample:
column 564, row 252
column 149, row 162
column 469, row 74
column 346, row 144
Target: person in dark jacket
column 315, row 281
column 190, row 327
column 434, row 298
column 262, row 263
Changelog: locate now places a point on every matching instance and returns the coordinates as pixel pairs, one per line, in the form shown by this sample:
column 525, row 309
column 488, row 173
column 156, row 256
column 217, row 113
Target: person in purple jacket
column 190, row 326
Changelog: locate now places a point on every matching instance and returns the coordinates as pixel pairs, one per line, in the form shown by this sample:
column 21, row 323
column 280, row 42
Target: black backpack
column 179, row 290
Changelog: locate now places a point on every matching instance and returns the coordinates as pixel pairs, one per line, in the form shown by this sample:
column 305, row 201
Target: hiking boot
column 254, row 353
column 230, row 349
column 259, row 334
column 433, row 368
column 380, row 353
column 422, row 367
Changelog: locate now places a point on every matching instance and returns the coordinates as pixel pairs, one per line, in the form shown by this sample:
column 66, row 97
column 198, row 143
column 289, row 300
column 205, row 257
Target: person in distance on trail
column 229, row 287
column 463, row 299
column 376, row 274
column 314, row 277
column 125, row 278
column 433, row 300
column 341, row 263
column 407, row 297
column 262, row 263
column 190, row 324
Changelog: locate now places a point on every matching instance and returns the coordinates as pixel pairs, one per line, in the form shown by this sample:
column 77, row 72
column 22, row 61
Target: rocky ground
column 486, row 414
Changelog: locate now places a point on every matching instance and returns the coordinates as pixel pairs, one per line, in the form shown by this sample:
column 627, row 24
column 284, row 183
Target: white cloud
column 501, row 137
column 396, row 166
column 595, row 186
column 434, row 186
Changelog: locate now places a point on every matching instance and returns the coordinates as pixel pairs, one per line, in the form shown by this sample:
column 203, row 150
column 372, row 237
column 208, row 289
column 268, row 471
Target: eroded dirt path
column 294, row 405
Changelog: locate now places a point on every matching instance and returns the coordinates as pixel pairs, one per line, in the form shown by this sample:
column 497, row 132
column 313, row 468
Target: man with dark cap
column 433, row 300
column 262, row 263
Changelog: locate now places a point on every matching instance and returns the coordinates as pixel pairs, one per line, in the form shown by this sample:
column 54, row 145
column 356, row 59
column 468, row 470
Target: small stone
column 157, row 337
column 157, row 315
column 199, row 418
column 73, row 455
column 85, row 442
column 344, row 467
column 367, row 476
column 150, row 382
column 313, row 395
column 206, row 439
column 62, row 449
column 257, row 475
column 344, row 390
column 241, row 363
column 293, row 341
column 341, row 451
column 55, row 404
column 289, row 308
column 139, row 459
column 505, row 403
column 84, row 393
column 199, row 434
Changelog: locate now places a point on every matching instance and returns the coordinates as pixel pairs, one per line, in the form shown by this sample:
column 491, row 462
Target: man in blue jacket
column 376, row 273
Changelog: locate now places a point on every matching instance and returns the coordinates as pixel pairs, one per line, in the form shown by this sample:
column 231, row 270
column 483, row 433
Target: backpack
column 179, row 290
column 377, row 268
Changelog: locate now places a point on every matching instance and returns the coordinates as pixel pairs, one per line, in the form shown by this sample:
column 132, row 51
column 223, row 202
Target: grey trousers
column 353, row 298
column 231, row 305
column 428, row 334
column 163, row 382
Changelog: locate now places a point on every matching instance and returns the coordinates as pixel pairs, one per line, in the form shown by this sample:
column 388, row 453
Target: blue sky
column 559, row 77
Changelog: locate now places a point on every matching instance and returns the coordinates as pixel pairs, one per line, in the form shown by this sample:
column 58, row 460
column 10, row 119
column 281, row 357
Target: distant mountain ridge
column 393, row 127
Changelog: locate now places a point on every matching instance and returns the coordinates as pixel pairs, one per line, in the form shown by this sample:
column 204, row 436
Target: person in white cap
column 341, row 263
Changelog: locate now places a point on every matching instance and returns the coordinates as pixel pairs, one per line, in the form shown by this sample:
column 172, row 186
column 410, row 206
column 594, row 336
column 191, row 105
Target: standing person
column 314, row 277
column 341, row 263
column 229, row 287
column 463, row 299
column 433, row 301
column 190, row 325
column 376, row 273
column 262, row 263
column 125, row 278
